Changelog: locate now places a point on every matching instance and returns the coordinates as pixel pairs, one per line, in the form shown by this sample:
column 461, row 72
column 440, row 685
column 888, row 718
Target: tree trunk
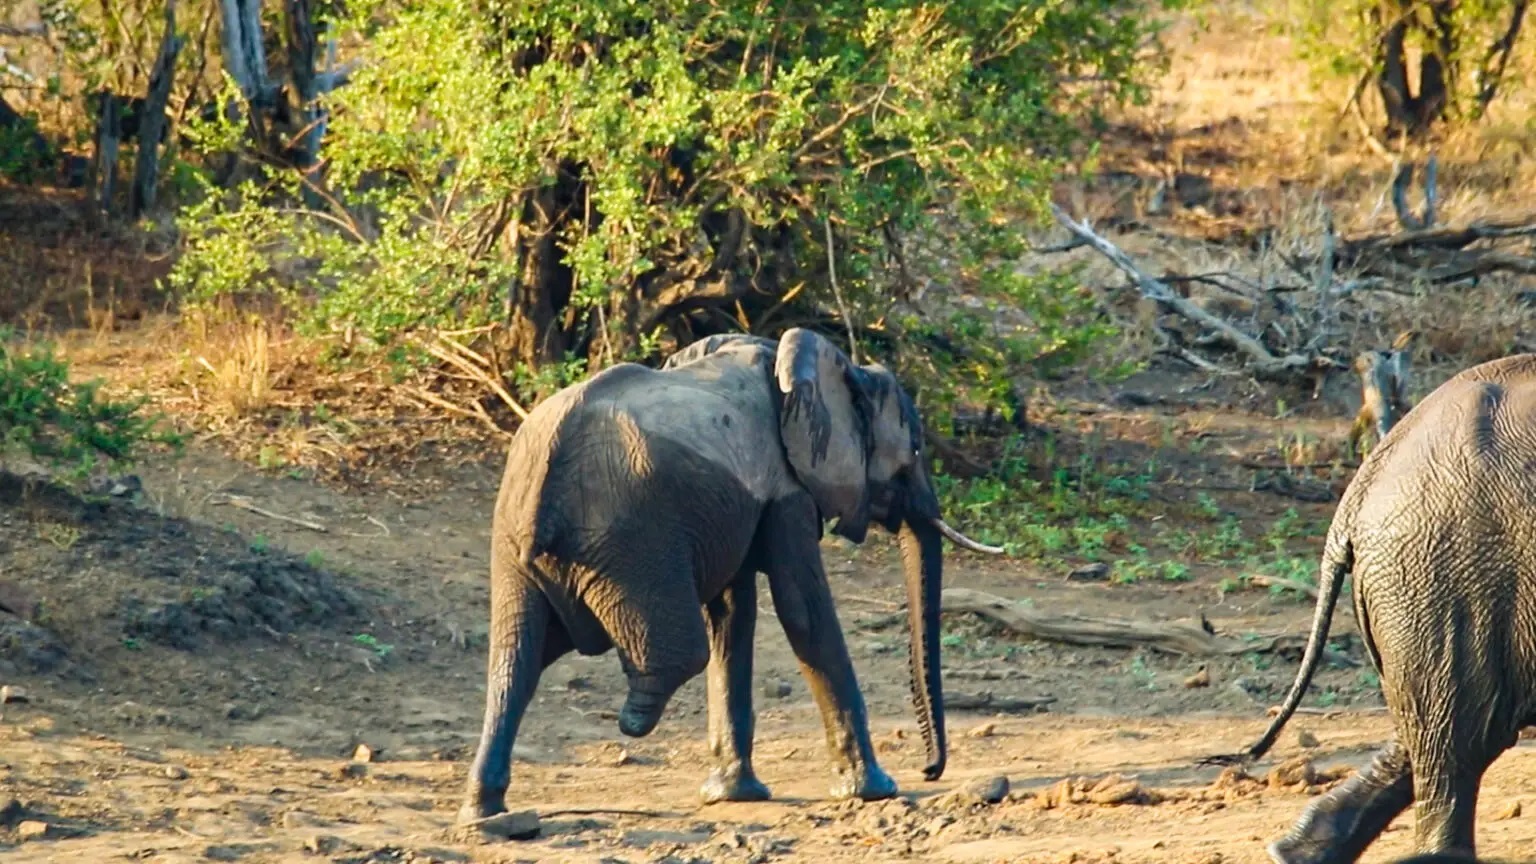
column 146, row 168
column 109, row 133
column 1410, row 114
column 543, row 292
column 301, row 67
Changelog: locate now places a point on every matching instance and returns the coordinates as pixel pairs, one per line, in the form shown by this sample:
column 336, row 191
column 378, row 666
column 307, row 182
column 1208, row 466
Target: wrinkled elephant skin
column 642, row 492
column 1438, row 529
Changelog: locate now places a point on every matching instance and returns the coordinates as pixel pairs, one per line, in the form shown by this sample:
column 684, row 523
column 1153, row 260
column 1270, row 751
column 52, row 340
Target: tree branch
column 1264, row 363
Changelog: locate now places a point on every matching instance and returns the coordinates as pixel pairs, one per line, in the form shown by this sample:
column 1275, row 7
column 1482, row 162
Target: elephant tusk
column 963, row 541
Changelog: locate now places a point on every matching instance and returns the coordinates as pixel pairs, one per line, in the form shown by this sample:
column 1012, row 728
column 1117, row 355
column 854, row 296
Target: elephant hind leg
column 1339, row 825
column 1449, row 762
column 650, row 607
column 526, row 638
column 732, row 620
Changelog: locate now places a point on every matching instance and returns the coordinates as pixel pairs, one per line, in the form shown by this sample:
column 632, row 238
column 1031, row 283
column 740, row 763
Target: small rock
column 363, row 753
column 778, row 688
column 521, row 825
column 31, row 829
column 351, row 770
column 1298, row 771
column 988, row 789
column 324, row 844
column 14, row 694
column 1095, row 572
column 1306, row 739
column 174, row 772
column 983, row 730
column 1510, row 811
column 295, row 819
column 125, row 486
column 236, row 711
column 15, row 600
column 1201, row 678
column 1114, row 789
column 578, row 683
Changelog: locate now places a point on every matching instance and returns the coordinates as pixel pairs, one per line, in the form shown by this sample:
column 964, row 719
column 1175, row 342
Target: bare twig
column 1264, row 363
column 837, row 292
column 1263, row 581
column 486, row 377
column 245, row 504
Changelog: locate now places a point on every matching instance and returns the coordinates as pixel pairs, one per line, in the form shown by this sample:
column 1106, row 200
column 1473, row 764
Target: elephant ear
column 822, row 428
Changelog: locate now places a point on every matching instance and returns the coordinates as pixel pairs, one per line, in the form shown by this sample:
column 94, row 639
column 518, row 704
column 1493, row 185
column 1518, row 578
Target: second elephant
column 637, row 510
column 1438, row 529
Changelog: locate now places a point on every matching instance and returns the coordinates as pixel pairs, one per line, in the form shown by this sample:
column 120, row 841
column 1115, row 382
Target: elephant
column 1438, row 529
column 642, row 493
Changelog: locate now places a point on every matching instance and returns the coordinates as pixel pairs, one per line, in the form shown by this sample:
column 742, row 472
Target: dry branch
column 1183, row 638
column 1262, row 581
column 245, row 504
column 1168, row 637
column 987, row 701
column 1263, row 363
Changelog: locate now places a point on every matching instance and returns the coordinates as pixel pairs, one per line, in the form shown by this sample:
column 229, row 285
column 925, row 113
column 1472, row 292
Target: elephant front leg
column 1337, row 826
column 803, row 600
column 732, row 620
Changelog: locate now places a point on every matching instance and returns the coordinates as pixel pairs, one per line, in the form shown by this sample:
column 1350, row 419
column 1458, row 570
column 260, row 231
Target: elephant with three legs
column 637, row 509
column 1438, row 528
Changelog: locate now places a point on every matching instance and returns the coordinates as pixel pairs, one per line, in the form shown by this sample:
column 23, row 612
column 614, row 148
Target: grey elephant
column 637, row 509
column 1438, row 528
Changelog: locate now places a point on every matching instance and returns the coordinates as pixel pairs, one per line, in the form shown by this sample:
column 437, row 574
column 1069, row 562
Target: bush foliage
column 70, row 426
column 600, row 180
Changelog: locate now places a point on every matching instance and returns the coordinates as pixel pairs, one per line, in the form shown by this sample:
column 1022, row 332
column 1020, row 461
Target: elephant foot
column 867, row 783
column 641, row 712
column 733, row 785
column 481, row 804
column 1321, row 836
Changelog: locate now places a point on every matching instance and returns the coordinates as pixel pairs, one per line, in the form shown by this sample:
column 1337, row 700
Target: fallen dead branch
column 1169, row 637
column 1184, row 638
column 1426, row 252
column 1263, row 581
column 474, row 365
column 1262, row 362
column 987, row 701
column 1274, row 710
column 245, row 504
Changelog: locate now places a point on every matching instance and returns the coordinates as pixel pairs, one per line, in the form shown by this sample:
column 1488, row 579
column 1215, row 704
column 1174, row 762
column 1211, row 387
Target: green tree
column 595, row 177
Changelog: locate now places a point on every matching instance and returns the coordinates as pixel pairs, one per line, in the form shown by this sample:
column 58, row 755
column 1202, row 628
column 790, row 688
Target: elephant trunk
column 923, row 561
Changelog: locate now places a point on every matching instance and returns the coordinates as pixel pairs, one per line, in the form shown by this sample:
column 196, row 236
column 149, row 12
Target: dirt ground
column 190, row 679
column 199, row 676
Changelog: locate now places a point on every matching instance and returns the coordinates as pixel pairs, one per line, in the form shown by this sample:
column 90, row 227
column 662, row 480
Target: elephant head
column 853, row 437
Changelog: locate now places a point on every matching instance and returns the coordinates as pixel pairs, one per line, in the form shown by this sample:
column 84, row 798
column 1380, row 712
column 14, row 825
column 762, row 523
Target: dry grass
column 1242, row 140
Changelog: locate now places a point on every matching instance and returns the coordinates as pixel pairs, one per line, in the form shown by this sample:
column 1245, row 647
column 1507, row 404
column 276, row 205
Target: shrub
column 70, row 426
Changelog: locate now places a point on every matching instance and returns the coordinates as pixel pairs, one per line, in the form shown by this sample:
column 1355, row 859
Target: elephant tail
column 1338, row 560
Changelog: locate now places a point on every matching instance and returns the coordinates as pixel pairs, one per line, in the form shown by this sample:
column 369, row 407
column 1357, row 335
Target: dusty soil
column 199, row 675
column 191, row 679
